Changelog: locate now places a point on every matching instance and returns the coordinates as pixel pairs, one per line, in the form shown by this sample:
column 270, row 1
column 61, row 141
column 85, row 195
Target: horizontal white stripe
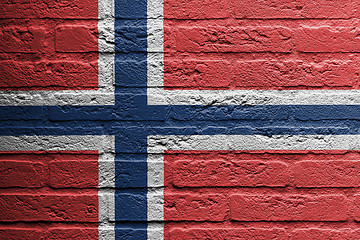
column 159, row 96
column 51, row 98
column 158, row 144
column 102, row 143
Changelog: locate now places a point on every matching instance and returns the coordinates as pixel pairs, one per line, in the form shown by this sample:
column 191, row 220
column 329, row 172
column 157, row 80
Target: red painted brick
column 318, row 233
column 23, row 39
column 227, row 39
column 327, row 174
column 194, row 207
column 49, row 75
column 22, row 174
column 328, row 39
column 258, row 74
column 21, row 233
column 357, row 207
column 261, row 74
column 228, row 233
column 289, row 208
column 73, row 233
column 79, row 9
column 63, row 208
column 298, row 9
column 76, row 38
column 197, row 9
column 78, row 174
column 234, row 173
column 197, row 74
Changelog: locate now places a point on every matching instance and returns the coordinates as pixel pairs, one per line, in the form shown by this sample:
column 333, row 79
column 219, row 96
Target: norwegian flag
column 176, row 150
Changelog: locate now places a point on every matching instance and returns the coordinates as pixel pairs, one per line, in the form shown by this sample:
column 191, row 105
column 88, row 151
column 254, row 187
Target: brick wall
column 179, row 119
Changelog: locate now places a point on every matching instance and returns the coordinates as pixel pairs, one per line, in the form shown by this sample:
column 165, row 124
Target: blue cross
column 131, row 120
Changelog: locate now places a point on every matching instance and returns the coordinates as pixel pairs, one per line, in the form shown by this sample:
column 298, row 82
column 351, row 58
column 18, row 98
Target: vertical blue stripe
column 130, row 78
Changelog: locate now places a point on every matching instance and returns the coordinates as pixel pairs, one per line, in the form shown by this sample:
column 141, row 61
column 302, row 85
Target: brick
column 78, row 174
column 327, row 39
column 258, row 74
column 49, row 75
column 327, row 174
column 61, row 208
column 228, row 233
column 198, row 9
column 194, row 207
column 191, row 74
column 289, row 208
column 299, row 9
column 21, row 233
column 22, row 39
column 22, row 174
column 78, row 9
column 357, row 207
column 76, row 38
column 318, row 233
column 262, row 74
column 227, row 39
column 73, row 233
column 234, row 173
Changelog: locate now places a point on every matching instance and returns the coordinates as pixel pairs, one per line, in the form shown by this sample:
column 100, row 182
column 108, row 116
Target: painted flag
column 160, row 162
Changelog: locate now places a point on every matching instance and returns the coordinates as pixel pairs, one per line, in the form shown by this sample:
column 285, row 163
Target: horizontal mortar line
column 348, row 19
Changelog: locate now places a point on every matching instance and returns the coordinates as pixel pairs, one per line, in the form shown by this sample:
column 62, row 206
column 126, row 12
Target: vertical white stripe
column 106, row 195
column 155, row 197
column 155, row 164
column 160, row 143
column 106, row 43
column 155, row 78
column 155, row 50
column 107, row 84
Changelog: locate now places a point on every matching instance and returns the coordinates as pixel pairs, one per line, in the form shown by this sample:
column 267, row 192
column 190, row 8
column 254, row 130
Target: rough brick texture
column 227, row 39
column 205, row 207
column 228, row 233
column 45, row 54
column 49, row 187
column 72, row 208
column 226, row 66
column 259, row 74
column 288, row 208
